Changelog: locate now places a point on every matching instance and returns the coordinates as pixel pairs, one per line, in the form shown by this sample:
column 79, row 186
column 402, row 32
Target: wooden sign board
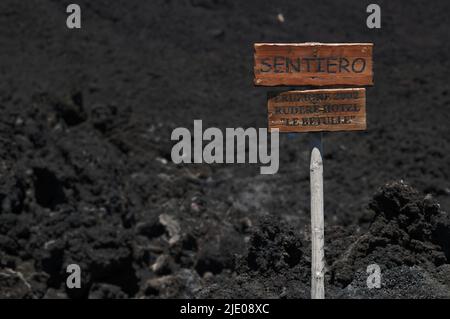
column 318, row 110
column 315, row 64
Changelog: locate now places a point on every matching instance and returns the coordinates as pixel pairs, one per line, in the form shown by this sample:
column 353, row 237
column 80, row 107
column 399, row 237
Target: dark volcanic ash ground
column 87, row 178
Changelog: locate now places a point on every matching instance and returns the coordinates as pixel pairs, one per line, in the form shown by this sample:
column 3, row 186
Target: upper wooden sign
column 317, row 64
column 318, row 110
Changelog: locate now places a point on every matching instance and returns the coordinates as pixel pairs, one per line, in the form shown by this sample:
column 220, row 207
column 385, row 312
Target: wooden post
column 317, row 223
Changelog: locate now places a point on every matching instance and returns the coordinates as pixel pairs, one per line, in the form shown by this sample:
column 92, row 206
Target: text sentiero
column 317, row 64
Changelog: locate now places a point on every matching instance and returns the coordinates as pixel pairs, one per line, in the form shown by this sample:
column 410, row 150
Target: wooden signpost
column 315, row 64
column 343, row 109
column 318, row 110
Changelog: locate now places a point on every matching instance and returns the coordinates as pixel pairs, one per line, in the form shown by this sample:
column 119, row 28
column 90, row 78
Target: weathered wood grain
column 317, row 218
column 316, row 64
column 318, row 110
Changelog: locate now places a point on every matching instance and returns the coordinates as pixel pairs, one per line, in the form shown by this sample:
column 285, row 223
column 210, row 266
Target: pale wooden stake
column 317, row 224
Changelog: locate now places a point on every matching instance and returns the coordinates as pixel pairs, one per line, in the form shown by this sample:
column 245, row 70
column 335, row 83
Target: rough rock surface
column 86, row 175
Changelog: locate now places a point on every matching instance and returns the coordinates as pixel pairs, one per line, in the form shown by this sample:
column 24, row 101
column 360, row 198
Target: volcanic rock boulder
column 408, row 230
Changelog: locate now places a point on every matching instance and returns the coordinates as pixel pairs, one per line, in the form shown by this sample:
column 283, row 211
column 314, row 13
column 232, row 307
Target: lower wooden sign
column 318, row 110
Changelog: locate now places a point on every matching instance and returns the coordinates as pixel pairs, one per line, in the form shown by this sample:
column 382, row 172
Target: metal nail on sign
column 317, row 64
column 318, row 110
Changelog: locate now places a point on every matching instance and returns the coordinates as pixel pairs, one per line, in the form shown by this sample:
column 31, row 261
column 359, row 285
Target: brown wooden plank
column 318, row 110
column 317, row 64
